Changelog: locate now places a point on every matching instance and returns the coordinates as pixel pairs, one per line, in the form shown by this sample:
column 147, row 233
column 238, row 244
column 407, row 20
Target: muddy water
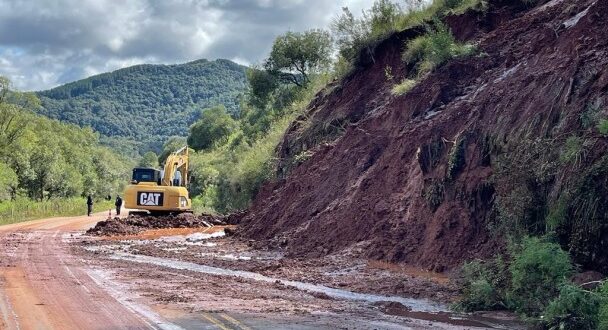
column 418, row 305
column 417, row 309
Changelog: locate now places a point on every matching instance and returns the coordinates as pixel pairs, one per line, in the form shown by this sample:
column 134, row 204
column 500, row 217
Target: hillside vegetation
column 137, row 108
column 44, row 160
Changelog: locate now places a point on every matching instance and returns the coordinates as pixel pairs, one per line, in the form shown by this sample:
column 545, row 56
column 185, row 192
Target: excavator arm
column 177, row 161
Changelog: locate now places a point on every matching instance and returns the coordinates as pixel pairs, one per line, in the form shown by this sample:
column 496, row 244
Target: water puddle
column 231, row 256
column 418, row 305
column 422, row 309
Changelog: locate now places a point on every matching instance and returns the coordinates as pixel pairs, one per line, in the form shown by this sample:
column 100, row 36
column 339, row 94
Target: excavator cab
column 145, row 174
column 161, row 192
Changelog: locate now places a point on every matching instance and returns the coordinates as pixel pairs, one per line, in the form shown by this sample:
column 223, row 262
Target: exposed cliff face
column 433, row 177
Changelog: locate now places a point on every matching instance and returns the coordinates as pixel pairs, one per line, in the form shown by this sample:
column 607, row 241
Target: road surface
column 42, row 286
column 45, row 285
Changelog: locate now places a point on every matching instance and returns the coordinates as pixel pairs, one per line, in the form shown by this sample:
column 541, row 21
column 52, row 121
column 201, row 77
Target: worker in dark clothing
column 89, row 205
column 118, row 204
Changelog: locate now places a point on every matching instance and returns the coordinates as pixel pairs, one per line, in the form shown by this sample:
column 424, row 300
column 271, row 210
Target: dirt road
column 52, row 277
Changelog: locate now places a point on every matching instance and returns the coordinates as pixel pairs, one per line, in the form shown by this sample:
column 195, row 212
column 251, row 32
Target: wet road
column 44, row 285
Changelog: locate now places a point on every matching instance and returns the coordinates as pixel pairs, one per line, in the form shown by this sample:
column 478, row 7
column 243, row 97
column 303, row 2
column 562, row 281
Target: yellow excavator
column 161, row 192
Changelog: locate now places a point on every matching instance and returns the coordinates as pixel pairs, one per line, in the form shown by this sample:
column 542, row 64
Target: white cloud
column 46, row 43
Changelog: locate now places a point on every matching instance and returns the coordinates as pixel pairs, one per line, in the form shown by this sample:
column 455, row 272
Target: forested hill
column 138, row 107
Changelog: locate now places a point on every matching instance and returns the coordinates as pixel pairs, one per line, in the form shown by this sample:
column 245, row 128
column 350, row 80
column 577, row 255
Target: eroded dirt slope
column 416, row 176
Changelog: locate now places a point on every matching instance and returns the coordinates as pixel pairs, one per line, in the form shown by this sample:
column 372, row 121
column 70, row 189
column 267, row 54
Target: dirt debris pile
column 135, row 224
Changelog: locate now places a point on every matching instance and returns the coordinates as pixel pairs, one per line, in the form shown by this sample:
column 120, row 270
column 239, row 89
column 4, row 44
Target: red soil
column 367, row 184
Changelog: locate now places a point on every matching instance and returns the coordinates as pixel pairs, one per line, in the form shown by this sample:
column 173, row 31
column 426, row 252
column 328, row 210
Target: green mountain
column 137, row 108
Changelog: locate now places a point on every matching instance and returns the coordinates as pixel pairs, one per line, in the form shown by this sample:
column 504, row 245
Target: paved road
column 44, row 286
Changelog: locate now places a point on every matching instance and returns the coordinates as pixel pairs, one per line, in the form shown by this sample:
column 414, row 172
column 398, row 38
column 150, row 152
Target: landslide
column 475, row 151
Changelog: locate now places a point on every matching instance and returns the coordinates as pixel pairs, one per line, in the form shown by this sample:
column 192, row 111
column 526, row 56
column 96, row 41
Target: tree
column 149, row 159
column 8, row 181
column 11, row 124
column 295, row 55
column 214, row 126
column 45, row 165
column 261, row 85
column 173, row 144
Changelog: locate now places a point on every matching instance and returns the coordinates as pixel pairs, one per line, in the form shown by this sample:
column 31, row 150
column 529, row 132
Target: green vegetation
column 53, row 163
column 403, row 87
column 23, row 209
column 482, row 285
column 573, row 151
column 575, row 308
column 359, row 36
column 227, row 176
column 602, row 127
column 537, row 285
column 295, row 56
column 149, row 159
column 139, row 107
column 213, row 127
column 538, row 270
column 434, row 48
column 456, row 157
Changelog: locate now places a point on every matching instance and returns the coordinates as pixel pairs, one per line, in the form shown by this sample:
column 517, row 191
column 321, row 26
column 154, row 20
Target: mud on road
column 52, row 276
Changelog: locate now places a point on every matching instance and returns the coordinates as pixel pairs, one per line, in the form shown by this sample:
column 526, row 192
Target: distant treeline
column 41, row 158
column 139, row 107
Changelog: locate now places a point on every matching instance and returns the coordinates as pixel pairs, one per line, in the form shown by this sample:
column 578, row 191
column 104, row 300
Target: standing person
column 118, row 204
column 89, row 205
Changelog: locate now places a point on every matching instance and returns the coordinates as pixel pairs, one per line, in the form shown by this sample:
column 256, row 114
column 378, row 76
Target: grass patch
column 434, row 48
column 573, row 151
column 602, row 127
column 438, row 8
column 403, row 87
column 24, row 209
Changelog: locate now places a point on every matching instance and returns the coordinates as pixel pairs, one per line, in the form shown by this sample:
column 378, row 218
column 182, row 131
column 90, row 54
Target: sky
column 46, row 43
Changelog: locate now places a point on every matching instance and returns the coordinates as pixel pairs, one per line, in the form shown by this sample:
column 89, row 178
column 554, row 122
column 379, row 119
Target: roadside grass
column 23, row 209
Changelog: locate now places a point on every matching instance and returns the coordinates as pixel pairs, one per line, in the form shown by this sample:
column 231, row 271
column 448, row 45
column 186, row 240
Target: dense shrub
column 353, row 35
column 214, row 126
column 227, row 176
column 574, row 309
column 482, row 285
column 603, row 309
column 538, row 270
